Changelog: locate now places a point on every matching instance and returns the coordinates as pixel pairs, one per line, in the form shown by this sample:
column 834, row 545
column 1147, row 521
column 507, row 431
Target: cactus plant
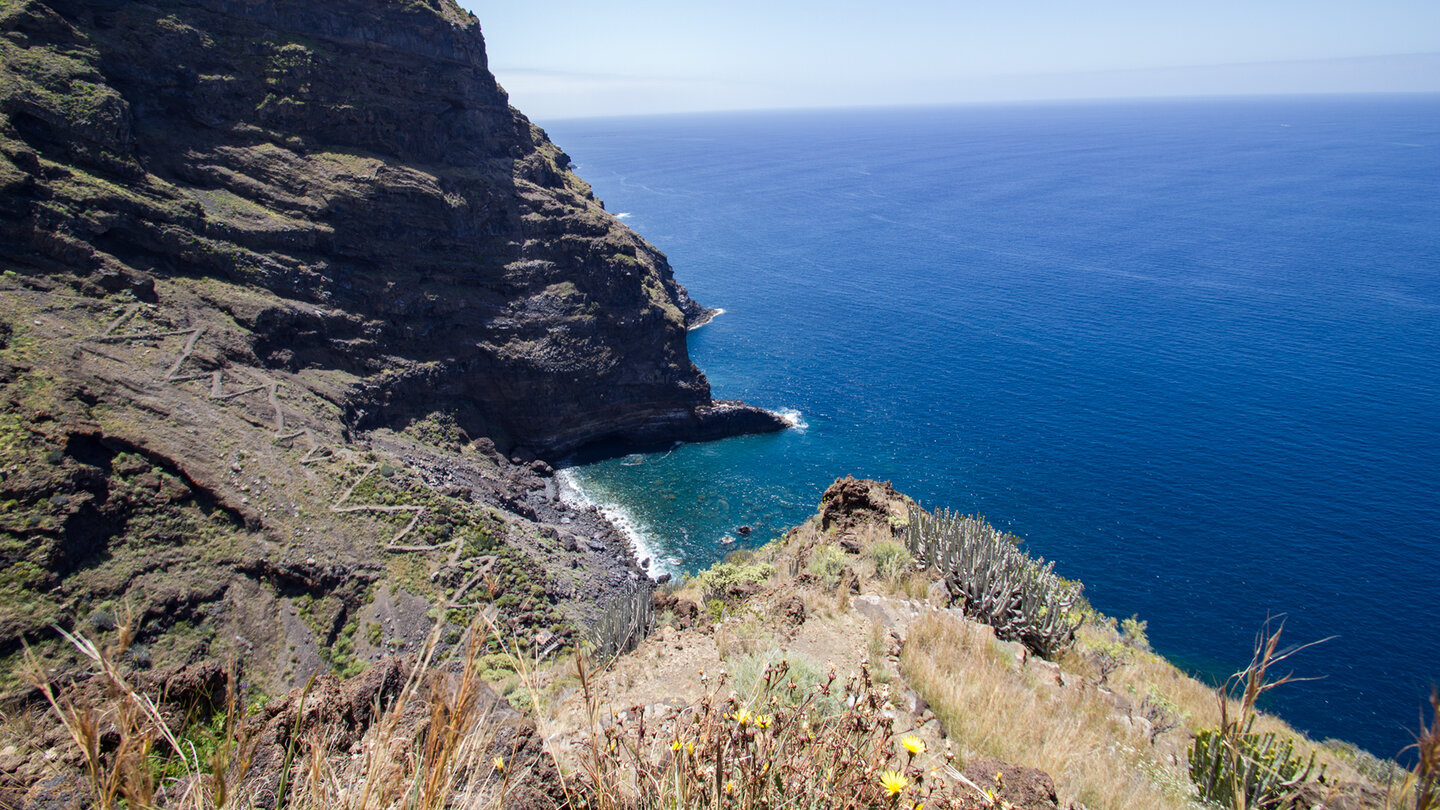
column 994, row 581
column 625, row 620
column 1244, row 768
column 1234, row 766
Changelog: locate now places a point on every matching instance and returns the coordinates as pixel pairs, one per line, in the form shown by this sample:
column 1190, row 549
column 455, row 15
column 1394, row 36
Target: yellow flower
column 729, row 787
column 742, row 717
column 913, row 744
column 893, row 782
column 689, row 747
column 675, row 746
column 499, row 763
column 764, row 721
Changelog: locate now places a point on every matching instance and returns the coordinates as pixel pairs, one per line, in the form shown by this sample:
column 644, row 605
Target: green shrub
column 720, row 579
column 495, row 667
column 740, row 556
column 1132, row 632
column 829, row 564
column 891, row 559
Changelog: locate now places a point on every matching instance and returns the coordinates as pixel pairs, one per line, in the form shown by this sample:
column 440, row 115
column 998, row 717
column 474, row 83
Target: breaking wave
column 793, row 418
column 642, row 542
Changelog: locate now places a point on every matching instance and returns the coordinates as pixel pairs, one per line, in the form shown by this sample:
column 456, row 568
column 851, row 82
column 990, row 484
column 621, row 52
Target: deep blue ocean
column 1187, row 349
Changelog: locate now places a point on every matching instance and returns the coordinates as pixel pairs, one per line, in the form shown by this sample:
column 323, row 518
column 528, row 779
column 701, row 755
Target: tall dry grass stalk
column 1256, row 679
column 1235, row 765
column 1073, row 733
column 433, row 746
column 116, row 738
column 446, row 759
column 1424, row 780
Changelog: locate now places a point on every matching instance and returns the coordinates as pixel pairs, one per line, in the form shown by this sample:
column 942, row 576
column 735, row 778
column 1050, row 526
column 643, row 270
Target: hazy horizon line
column 562, row 95
column 1021, row 102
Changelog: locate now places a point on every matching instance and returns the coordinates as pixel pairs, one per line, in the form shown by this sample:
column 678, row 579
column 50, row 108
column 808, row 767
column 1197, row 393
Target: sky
column 562, row 59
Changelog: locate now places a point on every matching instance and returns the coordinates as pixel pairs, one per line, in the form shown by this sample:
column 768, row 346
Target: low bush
column 828, row 564
column 891, row 558
column 721, row 579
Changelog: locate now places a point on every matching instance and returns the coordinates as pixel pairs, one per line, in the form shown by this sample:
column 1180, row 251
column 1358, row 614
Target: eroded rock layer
column 355, row 168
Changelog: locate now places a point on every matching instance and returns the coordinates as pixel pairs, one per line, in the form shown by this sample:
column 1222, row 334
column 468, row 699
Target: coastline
column 573, row 494
column 665, row 559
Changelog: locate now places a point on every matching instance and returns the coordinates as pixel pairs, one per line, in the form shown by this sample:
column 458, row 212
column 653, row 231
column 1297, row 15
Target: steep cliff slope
column 357, row 162
column 292, row 299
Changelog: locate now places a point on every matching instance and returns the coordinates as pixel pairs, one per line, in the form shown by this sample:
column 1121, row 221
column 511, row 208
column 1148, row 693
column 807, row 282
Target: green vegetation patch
column 891, row 558
column 490, row 571
column 437, row 429
column 828, row 564
column 724, row 578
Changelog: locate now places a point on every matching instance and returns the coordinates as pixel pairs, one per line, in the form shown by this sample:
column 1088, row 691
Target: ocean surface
column 1190, row 350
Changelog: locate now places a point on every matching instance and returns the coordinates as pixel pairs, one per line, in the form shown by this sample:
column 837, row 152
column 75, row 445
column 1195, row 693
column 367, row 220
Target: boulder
column 894, row 615
column 852, row 502
column 790, row 610
column 1016, row 786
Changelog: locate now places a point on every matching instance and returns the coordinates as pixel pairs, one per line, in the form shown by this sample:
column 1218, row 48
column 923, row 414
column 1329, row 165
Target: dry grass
column 1195, row 704
column 446, row 762
column 1073, row 733
column 830, row 746
column 433, row 746
column 1423, row 784
column 119, row 770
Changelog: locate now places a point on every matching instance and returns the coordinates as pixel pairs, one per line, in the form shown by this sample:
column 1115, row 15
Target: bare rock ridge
column 356, row 170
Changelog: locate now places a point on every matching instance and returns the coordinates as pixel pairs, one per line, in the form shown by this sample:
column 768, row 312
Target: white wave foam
column 641, row 542
column 623, row 215
column 793, row 418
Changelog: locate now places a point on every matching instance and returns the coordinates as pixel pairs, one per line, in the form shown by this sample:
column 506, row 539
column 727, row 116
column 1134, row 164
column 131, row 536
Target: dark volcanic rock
column 850, row 502
column 64, row 792
column 685, row 612
column 357, row 162
column 1015, row 785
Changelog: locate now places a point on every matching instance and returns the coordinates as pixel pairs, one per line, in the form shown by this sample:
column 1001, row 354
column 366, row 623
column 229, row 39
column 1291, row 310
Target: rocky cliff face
column 290, row 301
column 355, row 168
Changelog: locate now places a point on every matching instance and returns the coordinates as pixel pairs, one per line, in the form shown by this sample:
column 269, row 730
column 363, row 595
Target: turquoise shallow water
column 1186, row 349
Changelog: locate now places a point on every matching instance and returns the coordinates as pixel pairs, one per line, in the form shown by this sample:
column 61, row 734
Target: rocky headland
column 295, row 307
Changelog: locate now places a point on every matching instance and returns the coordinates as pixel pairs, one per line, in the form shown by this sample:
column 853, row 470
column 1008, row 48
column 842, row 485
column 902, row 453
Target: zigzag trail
column 317, row 451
